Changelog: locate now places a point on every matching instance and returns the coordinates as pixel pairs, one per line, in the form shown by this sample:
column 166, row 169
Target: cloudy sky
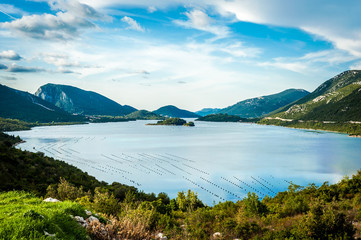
column 188, row 53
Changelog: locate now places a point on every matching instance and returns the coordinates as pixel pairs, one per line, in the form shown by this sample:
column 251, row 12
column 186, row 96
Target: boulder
column 89, row 213
column 161, row 236
column 49, row 199
column 217, row 235
column 91, row 219
column 81, row 221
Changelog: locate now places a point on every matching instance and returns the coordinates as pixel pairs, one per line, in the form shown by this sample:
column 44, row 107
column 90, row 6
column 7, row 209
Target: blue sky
column 192, row 54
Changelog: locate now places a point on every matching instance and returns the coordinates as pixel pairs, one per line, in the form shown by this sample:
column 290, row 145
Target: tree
column 253, row 206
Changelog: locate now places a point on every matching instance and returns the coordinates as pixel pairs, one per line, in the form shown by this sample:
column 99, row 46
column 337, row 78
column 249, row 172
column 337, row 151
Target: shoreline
column 314, row 129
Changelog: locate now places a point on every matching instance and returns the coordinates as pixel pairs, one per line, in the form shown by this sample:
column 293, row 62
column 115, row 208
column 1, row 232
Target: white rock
column 217, row 235
column 88, row 212
column 161, row 236
column 91, row 219
column 49, row 199
column 81, row 221
column 49, row 234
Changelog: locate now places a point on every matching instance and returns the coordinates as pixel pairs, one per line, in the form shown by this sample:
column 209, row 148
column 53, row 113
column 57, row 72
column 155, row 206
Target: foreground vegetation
column 25, row 216
column 311, row 212
column 352, row 129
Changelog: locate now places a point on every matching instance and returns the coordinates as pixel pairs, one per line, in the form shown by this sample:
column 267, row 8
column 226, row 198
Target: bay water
column 219, row 161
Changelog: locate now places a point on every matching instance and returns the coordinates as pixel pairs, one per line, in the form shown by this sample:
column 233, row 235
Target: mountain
column 220, row 117
column 24, row 106
column 260, row 106
column 144, row 115
column 207, row 111
column 77, row 101
column 172, row 111
column 337, row 99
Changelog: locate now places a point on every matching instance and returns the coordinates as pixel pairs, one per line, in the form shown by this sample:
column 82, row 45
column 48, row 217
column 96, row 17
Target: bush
column 253, row 206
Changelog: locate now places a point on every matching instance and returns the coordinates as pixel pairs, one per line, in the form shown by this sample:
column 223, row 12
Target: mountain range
column 144, row 115
column 173, row 111
column 24, row 106
column 77, row 101
column 259, row 106
column 337, row 99
column 207, row 111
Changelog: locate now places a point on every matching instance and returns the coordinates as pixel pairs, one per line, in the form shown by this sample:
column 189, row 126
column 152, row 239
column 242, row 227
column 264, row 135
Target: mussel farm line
column 137, row 169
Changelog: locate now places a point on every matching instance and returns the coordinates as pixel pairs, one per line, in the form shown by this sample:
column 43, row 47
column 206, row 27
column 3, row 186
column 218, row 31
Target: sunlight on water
column 219, row 161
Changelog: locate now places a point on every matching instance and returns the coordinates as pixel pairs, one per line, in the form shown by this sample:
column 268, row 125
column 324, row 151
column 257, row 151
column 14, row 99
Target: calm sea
column 219, row 161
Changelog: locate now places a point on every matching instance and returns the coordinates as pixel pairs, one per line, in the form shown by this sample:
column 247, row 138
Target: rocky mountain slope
column 24, row 106
column 77, row 101
column 337, row 99
column 260, row 106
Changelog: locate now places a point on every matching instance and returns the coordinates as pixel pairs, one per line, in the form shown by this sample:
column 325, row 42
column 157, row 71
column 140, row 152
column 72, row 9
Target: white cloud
column 356, row 66
column 64, row 25
column 310, row 62
column 60, row 60
column 75, row 8
column 335, row 21
column 10, row 10
column 132, row 24
column 198, row 19
column 152, row 9
column 10, row 55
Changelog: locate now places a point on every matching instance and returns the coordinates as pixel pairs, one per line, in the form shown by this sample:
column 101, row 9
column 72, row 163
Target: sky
column 193, row 54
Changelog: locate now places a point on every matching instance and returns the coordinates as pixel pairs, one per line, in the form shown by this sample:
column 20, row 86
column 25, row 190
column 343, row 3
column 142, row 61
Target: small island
column 174, row 122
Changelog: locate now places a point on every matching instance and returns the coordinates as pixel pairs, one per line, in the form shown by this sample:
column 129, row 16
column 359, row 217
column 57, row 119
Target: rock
column 217, row 235
column 91, row 219
column 81, row 221
column 49, row 234
column 161, row 236
column 88, row 212
column 49, row 199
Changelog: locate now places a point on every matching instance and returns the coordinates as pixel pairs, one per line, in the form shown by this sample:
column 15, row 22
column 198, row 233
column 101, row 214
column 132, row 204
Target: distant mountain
column 337, row 99
column 220, row 117
column 260, row 106
column 24, row 106
column 78, row 101
column 172, row 111
column 207, row 111
column 144, row 115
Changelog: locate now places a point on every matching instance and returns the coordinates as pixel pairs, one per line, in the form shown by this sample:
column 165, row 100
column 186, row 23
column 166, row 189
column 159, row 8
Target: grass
column 24, row 216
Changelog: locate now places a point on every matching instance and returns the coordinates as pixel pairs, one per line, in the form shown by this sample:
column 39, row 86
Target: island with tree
column 174, row 122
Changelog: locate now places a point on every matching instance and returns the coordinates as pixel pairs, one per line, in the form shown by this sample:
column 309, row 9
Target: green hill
column 144, row 115
column 220, row 117
column 338, row 99
column 77, row 101
column 334, row 106
column 24, row 106
column 260, row 106
column 172, row 111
